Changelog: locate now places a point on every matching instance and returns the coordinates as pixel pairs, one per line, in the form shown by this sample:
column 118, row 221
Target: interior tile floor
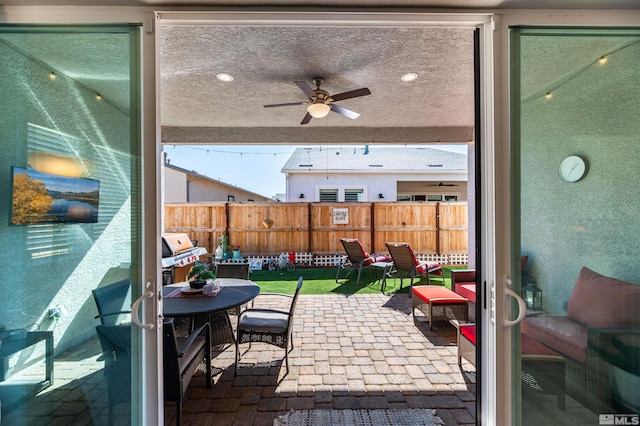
column 350, row 351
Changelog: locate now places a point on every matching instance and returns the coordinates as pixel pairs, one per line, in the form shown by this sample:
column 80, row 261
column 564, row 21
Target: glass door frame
column 485, row 25
column 148, row 402
column 507, row 257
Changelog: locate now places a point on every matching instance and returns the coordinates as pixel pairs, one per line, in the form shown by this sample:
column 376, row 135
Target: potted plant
column 200, row 275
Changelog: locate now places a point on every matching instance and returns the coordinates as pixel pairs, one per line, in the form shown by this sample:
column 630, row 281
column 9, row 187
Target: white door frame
column 149, row 362
column 486, row 25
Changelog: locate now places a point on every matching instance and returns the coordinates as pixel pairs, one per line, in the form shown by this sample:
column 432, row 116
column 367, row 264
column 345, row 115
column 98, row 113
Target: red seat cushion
column 469, row 332
column 559, row 333
column 432, row 267
column 530, row 346
column 467, row 290
column 439, row 295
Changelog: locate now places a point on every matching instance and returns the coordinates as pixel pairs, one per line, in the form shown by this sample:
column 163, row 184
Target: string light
column 602, row 60
column 98, row 97
column 240, row 153
column 52, row 76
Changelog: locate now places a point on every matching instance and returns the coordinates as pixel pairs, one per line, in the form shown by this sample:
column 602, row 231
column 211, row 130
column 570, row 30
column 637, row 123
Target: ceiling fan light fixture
column 224, row 77
column 318, row 110
column 409, row 77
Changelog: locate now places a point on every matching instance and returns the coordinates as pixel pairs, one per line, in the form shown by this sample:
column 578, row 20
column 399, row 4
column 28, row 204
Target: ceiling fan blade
column 443, row 184
column 285, row 104
column 305, row 88
column 306, row 119
column 343, row 111
column 351, row 94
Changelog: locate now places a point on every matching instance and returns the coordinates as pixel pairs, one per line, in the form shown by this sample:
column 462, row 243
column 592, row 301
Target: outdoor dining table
column 199, row 307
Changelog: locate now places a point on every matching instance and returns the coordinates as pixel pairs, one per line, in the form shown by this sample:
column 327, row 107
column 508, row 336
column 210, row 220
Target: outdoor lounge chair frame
column 404, row 263
column 356, row 258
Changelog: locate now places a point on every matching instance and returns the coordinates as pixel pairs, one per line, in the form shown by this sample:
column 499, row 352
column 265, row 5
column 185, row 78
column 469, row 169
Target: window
column 429, row 197
column 231, row 198
column 328, row 195
column 353, row 195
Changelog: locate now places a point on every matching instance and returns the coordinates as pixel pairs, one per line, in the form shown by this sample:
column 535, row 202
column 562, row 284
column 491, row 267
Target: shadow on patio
column 356, row 352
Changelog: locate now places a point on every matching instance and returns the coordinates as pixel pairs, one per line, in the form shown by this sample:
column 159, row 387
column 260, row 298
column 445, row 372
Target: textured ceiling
column 265, row 61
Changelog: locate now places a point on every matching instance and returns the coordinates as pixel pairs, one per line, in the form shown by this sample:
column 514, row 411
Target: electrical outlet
column 57, row 312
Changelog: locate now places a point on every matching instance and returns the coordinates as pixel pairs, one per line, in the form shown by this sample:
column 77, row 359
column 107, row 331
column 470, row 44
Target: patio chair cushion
column 603, row 302
column 469, row 332
column 268, row 321
column 560, row 333
column 378, row 258
column 438, row 295
column 467, row 290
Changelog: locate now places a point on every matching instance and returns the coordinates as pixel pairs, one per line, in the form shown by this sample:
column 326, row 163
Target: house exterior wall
column 204, row 190
column 182, row 187
column 69, row 260
column 175, row 186
column 593, row 222
column 372, row 184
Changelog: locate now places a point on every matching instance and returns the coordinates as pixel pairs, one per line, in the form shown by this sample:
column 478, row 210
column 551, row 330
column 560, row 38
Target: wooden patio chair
column 356, row 258
column 406, row 264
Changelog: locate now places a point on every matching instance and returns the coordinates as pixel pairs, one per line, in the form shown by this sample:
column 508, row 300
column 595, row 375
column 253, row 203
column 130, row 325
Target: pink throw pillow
column 603, row 302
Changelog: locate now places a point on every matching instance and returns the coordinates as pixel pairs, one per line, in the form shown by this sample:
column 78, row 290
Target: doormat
column 405, row 417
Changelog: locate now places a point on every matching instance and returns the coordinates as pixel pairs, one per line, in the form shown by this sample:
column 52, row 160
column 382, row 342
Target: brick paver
column 350, row 352
column 355, row 351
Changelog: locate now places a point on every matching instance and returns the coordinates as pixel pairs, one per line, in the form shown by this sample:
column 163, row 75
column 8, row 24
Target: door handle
column 522, row 307
column 134, row 311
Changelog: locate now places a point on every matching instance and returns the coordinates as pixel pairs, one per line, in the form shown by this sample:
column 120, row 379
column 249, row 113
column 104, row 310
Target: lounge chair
column 406, row 264
column 356, row 258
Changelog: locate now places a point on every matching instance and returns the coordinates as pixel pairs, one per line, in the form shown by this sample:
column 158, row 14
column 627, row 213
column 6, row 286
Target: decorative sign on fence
column 340, row 216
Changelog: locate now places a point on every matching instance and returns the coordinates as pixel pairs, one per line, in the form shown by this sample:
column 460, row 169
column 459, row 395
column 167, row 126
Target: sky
column 254, row 168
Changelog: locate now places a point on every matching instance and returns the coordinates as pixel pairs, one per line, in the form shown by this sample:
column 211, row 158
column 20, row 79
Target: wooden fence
column 268, row 229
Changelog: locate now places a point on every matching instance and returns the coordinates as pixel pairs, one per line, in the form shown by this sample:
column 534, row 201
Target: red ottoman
column 438, row 303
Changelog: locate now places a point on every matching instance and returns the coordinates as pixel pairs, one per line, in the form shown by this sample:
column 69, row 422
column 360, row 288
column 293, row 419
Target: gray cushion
column 272, row 322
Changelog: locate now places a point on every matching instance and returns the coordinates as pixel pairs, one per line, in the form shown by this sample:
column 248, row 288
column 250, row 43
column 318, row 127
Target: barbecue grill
column 178, row 252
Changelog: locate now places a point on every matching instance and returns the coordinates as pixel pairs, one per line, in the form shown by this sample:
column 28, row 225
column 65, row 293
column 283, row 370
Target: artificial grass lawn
column 323, row 281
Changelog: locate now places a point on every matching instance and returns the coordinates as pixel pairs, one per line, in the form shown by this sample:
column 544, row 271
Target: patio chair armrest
column 277, row 311
column 275, row 294
column 112, row 314
column 192, row 337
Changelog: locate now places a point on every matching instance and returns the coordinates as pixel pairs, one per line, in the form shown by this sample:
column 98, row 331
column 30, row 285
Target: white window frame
column 341, row 192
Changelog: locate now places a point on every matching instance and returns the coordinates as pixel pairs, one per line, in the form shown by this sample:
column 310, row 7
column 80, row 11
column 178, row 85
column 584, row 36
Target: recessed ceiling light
column 223, row 76
column 409, row 76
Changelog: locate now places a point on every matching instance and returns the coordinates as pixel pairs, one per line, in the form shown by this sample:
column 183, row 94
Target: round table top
column 234, row 292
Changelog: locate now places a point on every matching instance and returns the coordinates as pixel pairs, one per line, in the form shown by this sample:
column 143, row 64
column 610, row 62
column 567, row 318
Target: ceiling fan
column 320, row 103
column 443, row 184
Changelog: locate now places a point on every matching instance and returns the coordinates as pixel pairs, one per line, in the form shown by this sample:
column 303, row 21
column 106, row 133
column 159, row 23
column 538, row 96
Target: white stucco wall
column 175, row 186
column 373, row 184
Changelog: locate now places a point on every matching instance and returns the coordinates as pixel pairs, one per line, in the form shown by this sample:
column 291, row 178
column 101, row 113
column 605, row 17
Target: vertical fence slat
column 309, row 227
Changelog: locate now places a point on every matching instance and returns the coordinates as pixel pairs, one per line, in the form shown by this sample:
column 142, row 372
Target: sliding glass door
column 70, row 224
column 575, row 202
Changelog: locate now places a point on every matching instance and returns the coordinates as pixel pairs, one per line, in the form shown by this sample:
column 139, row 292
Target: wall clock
column 572, row 168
